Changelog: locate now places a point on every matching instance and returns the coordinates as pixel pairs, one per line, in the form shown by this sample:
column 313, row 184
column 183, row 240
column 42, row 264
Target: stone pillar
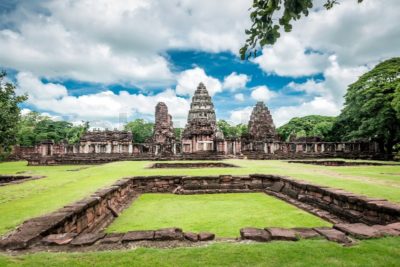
column 130, row 148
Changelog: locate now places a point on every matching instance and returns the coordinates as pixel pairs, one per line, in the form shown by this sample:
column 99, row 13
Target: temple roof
column 201, row 117
column 261, row 125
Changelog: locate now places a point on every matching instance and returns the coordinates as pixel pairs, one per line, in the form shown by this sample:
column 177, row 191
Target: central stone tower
column 201, row 129
column 261, row 126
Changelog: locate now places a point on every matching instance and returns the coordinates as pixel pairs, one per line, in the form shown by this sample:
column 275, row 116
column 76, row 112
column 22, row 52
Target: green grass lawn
column 222, row 214
column 61, row 186
column 383, row 252
column 20, row 202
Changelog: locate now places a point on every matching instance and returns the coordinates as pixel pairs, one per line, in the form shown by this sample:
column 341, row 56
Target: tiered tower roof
column 201, row 118
column 261, row 125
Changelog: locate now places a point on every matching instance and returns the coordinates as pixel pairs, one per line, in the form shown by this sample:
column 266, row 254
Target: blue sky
column 109, row 63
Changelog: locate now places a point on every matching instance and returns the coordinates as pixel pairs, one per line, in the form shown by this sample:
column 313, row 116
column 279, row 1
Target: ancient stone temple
column 163, row 134
column 106, row 142
column 261, row 127
column 201, row 132
column 163, row 126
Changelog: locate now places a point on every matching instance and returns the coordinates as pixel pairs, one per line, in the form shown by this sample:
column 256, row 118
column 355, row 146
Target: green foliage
column 371, row 109
column 178, row 133
column 230, row 131
column 266, row 26
column 313, row 125
column 34, row 128
column 141, row 130
column 9, row 114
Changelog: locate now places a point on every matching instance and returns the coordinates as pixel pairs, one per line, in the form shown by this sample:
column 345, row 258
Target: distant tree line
column 34, row 128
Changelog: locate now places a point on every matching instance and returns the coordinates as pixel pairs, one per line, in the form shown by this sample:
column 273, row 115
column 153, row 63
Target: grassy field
column 222, row 214
column 383, row 252
column 66, row 184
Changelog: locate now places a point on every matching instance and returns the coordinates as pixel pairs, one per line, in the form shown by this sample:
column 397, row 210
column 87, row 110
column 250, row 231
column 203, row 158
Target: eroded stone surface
column 191, row 236
column 138, row 236
column 386, row 230
column 112, row 238
column 306, row 233
column 282, row 234
column 205, row 236
column 168, row 234
column 333, row 235
column 87, row 239
column 59, row 239
column 255, row 234
column 358, row 230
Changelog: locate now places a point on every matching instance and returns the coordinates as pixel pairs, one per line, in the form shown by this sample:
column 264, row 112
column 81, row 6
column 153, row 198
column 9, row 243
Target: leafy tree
column 34, row 128
column 230, row 131
column 371, row 109
column 313, row 125
column 141, row 130
column 9, row 114
column 178, row 133
column 268, row 20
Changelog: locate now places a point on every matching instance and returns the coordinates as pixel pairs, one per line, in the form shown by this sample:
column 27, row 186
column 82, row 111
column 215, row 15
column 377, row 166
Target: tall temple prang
column 201, row 132
column 261, row 126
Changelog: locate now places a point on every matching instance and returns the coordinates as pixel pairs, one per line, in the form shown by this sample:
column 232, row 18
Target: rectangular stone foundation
column 92, row 214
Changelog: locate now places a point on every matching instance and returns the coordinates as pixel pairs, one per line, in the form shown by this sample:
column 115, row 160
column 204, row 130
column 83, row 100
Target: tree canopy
column 312, row 125
column 232, row 131
column 141, row 130
column 372, row 107
column 267, row 21
column 9, row 113
column 34, row 128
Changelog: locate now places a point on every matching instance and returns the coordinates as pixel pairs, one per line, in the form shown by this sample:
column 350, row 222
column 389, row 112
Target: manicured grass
column 33, row 198
column 380, row 252
column 222, row 214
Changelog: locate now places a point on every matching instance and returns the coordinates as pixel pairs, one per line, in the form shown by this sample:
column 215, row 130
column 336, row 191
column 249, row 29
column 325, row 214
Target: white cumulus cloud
column 262, row 93
column 188, row 80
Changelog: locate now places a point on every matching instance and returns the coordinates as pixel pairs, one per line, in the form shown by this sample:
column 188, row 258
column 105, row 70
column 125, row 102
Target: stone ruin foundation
column 80, row 225
column 341, row 163
column 184, row 165
column 16, row 179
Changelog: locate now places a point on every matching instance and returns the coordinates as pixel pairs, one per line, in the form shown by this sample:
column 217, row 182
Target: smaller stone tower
column 163, row 126
column 261, row 126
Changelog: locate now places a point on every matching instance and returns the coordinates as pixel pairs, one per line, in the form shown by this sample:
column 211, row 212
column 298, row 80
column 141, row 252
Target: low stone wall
column 177, row 165
column 94, row 213
column 16, row 179
column 349, row 206
column 256, row 155
column 87, row 215
column 340, row 163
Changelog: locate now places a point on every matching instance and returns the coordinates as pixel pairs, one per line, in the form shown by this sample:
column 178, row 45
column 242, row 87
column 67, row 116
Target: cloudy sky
column 111, row 61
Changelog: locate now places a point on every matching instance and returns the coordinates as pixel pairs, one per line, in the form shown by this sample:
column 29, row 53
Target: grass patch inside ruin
column 222, row 214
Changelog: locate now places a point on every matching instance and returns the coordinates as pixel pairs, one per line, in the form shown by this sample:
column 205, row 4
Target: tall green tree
column 34, row 128
column 231, row 131
column 9, row 114
column 268, row 19
column 141, row 130
column 313, row 125
column 371, row 109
